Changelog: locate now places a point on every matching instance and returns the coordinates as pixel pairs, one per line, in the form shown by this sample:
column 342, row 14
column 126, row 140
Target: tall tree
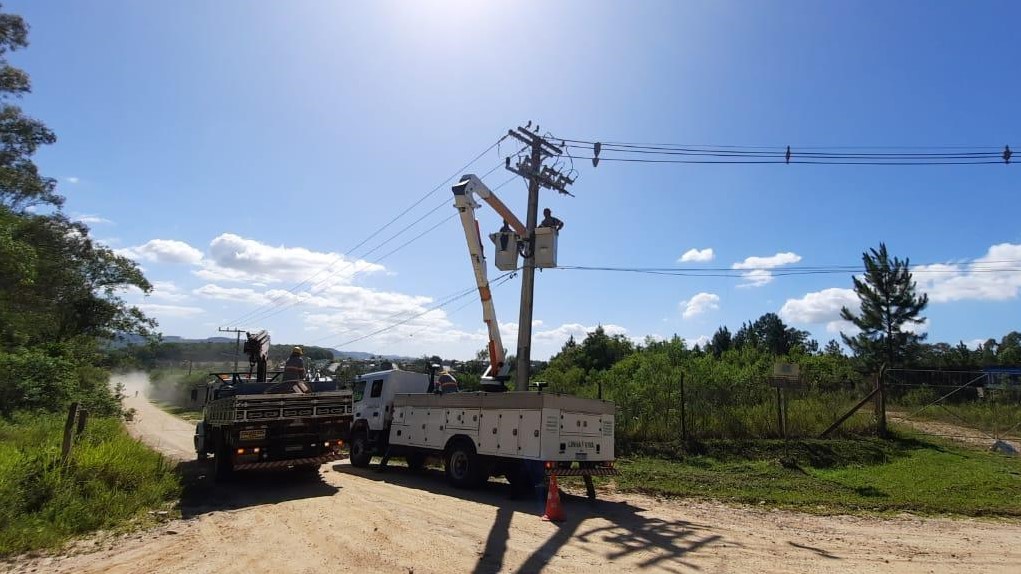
column 721, row 342
column 21, row 185
column 890, row 305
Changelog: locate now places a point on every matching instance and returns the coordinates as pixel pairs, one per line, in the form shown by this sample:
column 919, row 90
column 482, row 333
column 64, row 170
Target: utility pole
column 538, row 176
column 237, row 346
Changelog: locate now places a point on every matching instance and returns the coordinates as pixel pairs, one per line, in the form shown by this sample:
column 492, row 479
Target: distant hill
column 126, row 340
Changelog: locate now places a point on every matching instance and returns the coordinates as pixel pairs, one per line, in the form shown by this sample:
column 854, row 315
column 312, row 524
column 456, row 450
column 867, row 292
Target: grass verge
column 109, row 481
column 909, row 473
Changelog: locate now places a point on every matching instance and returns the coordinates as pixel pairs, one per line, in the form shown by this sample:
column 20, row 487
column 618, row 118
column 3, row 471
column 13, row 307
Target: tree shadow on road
column 594, row 526
column 202, row 495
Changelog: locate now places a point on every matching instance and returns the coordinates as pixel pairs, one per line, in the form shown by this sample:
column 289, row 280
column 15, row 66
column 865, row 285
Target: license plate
column 293, row 447
column 256, row 434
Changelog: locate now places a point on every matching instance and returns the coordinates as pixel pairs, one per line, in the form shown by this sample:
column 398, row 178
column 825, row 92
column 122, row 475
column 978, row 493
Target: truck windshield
column 359, row 390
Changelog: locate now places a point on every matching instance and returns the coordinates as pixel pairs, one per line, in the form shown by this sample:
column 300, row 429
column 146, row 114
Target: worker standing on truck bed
column 293, row 379
column 446, row 383
column 294, row 368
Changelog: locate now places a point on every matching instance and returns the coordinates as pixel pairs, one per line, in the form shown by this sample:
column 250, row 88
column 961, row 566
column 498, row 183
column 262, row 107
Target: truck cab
column 373, row 409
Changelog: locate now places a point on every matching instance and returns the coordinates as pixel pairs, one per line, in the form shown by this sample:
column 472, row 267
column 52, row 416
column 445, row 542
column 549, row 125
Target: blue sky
column 237, row 148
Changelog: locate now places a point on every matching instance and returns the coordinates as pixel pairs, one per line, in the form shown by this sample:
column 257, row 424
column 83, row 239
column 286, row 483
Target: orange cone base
column 554, row 511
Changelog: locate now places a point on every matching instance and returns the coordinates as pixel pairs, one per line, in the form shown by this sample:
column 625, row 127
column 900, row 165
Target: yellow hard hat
column 297, row 351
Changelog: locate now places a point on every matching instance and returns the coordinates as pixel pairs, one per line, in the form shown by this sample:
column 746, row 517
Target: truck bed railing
column 262, row 408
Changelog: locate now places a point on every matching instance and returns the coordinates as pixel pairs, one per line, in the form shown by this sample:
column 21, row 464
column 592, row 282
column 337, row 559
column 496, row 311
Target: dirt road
column 352, row 520
column 154, row 426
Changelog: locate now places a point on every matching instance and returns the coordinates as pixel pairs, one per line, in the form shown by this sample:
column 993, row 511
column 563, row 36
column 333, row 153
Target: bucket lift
column 509, row 242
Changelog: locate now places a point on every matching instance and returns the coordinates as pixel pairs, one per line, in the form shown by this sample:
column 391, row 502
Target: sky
column 241, row 152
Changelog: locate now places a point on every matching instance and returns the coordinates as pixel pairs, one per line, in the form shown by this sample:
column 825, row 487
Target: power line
column 726, row 154
column 741, row 273
column 502, row 278
column 270, row 312
column 246, row 316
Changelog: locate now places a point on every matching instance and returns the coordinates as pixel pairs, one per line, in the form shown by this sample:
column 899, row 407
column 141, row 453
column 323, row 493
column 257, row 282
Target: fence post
column 881, row 401
column 779, row 411
column 83, row 418
column 684, row 422
column 65, row 449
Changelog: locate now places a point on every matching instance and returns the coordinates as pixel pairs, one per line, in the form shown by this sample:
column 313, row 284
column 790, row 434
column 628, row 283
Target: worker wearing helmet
column 294, row 368
column 446, row 383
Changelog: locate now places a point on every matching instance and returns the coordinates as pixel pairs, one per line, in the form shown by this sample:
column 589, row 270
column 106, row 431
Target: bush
column 109, row 478
column 34, row 380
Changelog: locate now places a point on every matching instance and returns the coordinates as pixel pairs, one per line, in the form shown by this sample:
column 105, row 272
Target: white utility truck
column 480, row 434
column 523, row 435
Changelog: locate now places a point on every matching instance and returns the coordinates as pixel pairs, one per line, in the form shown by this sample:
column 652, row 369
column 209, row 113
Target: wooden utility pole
column 237, row 346
column 538, row 176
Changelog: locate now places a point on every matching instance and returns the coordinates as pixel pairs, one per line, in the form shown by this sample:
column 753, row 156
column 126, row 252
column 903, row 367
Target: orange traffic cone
column 554, row 512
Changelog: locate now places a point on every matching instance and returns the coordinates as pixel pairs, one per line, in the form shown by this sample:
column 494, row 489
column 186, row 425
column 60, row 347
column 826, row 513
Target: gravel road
column 353, row 520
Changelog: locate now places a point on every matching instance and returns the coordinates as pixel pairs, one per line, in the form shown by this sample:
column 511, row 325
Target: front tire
column 463, row 466
column 360, row 454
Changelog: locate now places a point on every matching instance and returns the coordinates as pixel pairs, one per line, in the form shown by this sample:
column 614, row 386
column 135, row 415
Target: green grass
column 110, row 481
column 906, row 474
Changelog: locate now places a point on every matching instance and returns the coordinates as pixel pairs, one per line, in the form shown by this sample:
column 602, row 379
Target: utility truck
column 255, row 420
column 523, row 435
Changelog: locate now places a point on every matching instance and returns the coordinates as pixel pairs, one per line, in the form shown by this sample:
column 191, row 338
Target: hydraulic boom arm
column 464, row 190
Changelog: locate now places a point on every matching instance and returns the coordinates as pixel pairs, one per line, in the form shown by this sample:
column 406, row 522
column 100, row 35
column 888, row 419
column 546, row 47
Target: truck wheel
column 463, row 467
column 361, row 456
column 416, row 461
column 223, row 466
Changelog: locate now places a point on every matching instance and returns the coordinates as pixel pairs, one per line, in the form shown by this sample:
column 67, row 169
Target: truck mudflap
column 599, row 471
column 290, row 462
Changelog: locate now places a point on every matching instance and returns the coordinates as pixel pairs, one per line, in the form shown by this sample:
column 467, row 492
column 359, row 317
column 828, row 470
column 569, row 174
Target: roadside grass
column 110, row 481
column 907, row 474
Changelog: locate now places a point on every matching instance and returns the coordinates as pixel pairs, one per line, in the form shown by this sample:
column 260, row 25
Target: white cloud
column 71, row 179
column 235, row 258
column 758, row 268
column 996, row 276
column 157, row 310
column 90, row 219
column 563, row 332
column 164, row 251
column 701, row 341
column 236, row 294
column 823, row 307
column 697, row 255
column 699, row 304
column 167, row 291
column 975, row 343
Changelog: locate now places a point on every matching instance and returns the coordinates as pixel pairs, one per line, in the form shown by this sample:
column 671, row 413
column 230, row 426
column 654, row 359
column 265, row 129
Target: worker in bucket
column 549, row 221
column 446, row 383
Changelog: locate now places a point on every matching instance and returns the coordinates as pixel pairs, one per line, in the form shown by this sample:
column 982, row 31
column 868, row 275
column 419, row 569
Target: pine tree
column 889, row 304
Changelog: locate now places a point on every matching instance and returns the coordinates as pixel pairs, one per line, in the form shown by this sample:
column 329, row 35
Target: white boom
column 470, row 185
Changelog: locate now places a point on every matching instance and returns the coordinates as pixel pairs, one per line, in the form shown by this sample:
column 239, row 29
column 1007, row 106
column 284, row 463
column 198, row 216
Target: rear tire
column 360, row 454
column 223, row 465
column 463, row 466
